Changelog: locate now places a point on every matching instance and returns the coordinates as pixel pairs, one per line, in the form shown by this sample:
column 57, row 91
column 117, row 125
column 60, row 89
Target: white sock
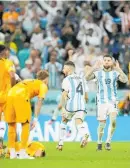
column 2, row 129
column 62, row 133
column 100, row 131
column 111, row 129
column 12, row 153
column 55, row 114
column 22, row 152
column 82, row 130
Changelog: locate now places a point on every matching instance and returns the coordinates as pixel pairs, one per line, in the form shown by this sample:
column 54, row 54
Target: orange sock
column 25, row 134
column 11, row 135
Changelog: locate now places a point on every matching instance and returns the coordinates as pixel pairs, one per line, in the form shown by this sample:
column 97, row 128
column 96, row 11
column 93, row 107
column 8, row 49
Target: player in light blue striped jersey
column 73, row 102
column 107, row 77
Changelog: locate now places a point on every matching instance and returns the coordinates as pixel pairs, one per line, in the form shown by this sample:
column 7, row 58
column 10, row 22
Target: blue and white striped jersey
column 76, row 87
column 107, row 86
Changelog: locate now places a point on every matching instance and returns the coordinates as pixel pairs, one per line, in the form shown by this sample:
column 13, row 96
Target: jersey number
column 79, row 88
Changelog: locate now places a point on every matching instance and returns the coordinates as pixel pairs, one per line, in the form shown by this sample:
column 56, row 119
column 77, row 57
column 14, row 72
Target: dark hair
column 2, row 48
column 70, row 63
column 107, row 55
column 43, row 154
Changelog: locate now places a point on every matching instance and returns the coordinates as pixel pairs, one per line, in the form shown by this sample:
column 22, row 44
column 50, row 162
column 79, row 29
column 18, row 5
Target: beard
column 107, row 66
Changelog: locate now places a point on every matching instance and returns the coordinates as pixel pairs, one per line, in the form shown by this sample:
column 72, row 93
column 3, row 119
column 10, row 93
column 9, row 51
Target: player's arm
column 17, row 78
column 65, row 90
column 122, row 76
column 63, row 99
column 86, row 97
column 12, row 76
column 11, row 70
column 38, row 107
column 41, row 96
column 90, row 74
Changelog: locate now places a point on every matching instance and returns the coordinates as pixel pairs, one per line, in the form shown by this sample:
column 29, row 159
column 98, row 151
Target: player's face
column 107, row 62
column 66, row 70
column 38, row 153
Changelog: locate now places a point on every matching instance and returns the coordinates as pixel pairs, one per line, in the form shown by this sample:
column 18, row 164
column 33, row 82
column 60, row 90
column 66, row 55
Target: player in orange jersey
column 34, row 149
column 7, row 80
column 18, row 109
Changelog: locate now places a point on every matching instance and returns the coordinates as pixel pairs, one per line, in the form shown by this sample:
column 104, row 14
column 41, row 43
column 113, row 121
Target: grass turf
column 74, row 157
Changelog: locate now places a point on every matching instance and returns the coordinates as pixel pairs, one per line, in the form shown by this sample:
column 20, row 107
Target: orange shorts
column 18, row 109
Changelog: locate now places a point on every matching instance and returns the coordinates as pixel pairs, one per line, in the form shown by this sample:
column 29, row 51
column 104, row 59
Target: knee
column 113, row 122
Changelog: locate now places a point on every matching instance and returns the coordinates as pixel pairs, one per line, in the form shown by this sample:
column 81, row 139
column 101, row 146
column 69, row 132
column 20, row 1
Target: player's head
column 43, row 75
column 3, row 51
column 69, row 67
column 40, row 153
column 107, row 61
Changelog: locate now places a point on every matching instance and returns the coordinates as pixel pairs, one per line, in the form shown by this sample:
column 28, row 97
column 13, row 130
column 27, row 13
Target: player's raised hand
column 117, row 66
column 97, row 65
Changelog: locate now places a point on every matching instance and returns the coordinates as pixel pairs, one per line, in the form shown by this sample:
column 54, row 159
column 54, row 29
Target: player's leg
column 2, row 124
column 81, row 127
column 101, row 117
column 11, row 139
column 23, row 115
column 112, row 126
column 10, row 118
column 66, row 116
column 62, row 132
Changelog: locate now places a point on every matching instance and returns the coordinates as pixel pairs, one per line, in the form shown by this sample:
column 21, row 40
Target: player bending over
column 107, row 78
column 73, row 99
column 18, row 110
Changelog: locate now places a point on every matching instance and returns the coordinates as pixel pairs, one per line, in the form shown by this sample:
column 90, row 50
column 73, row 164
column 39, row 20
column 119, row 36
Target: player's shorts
column 18, row 109
column 104, row 110
column 70, row 115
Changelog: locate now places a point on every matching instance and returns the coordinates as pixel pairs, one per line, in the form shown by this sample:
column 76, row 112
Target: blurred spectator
column 10, row 18
column 79, row 59
column 52, row 7
column 54, row 68
column 34, row 54
column 23, row 55
column 43, row 19
column 18, row 37
column 36, row 38
column 37, row 66
column 68, row 35
column 26, row 73
column 56, row 31
column 61, row 52
column 125, row 16
column 1, row 12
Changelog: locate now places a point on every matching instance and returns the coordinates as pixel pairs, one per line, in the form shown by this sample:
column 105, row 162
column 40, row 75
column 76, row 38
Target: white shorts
column 104, row 110
column 70, row 115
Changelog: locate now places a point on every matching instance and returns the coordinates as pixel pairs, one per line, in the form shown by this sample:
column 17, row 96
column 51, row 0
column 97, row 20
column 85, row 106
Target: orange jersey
column 6, row 66
column 30, row 88
column 31, row 148
column 9, row 17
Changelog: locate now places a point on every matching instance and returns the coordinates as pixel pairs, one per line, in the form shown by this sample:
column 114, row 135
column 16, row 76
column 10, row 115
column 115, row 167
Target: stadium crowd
column 44, row 34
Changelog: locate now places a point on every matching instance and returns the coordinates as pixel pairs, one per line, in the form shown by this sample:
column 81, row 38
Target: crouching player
column 18, row 110
column 33, row 149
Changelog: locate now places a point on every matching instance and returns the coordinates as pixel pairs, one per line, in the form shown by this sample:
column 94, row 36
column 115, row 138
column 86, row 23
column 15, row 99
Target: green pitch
column 74, row 157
